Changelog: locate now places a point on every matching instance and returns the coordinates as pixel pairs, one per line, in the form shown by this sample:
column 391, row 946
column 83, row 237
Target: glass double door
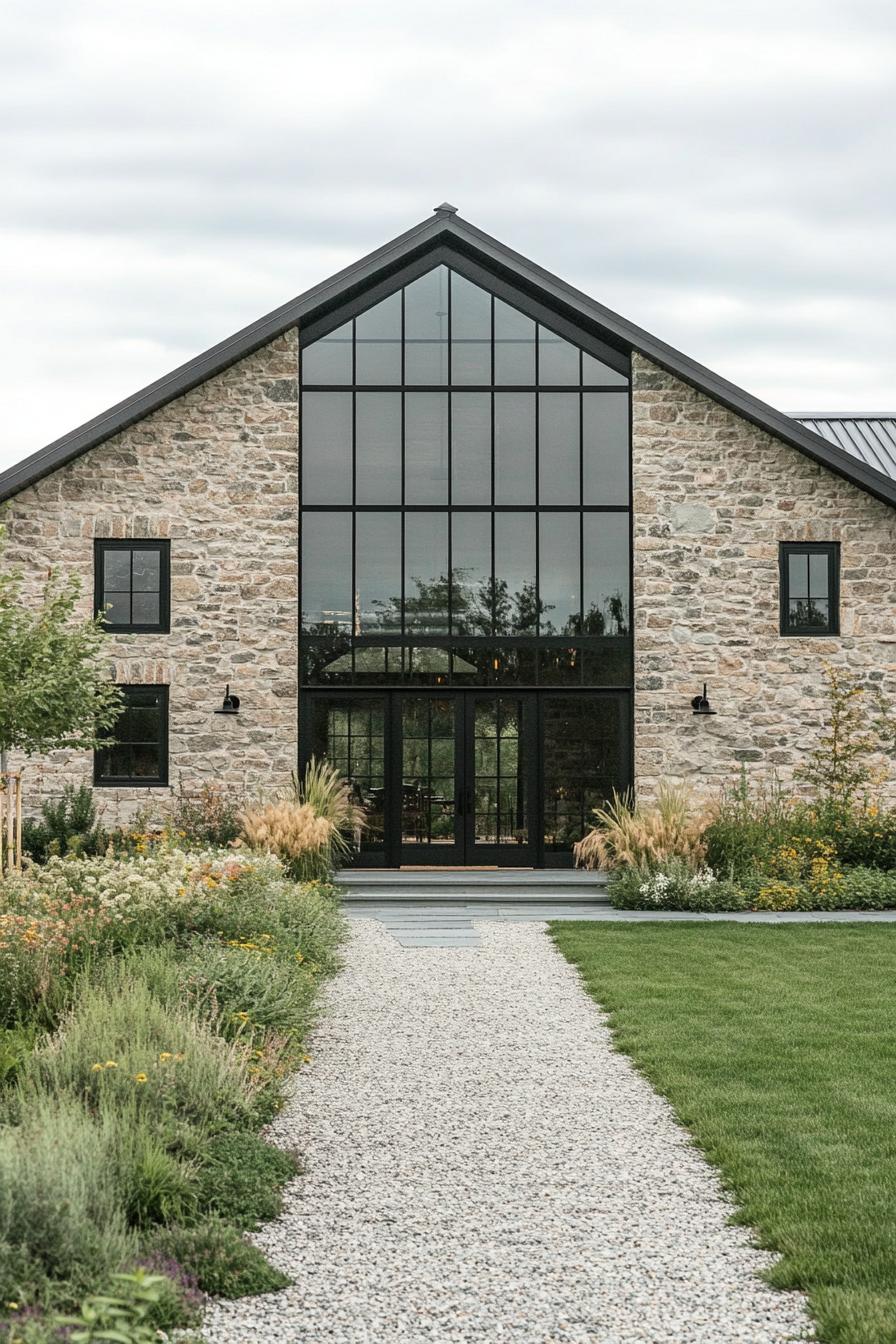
column 467, row 778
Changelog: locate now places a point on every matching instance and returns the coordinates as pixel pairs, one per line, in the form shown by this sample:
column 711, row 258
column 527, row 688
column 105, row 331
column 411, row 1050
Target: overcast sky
column 720, row 173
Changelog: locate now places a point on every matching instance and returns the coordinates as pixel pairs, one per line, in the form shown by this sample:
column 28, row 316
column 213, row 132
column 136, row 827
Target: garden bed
column 150, row 1009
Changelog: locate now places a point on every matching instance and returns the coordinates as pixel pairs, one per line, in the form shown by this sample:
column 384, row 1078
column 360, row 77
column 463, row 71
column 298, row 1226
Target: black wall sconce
column 700, row 703
column 231, row 703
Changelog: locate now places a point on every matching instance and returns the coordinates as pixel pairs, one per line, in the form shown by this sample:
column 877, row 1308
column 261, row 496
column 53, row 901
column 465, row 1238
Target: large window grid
column 407, row 508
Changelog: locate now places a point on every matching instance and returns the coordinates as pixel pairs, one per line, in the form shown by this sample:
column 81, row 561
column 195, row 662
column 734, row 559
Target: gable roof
column 446, row 227
column 869, row 436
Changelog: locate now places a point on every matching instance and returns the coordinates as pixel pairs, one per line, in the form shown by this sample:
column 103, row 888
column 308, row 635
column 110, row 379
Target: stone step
column 465, row 885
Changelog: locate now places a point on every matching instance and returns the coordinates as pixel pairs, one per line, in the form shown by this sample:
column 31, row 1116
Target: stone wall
column 217, row 472
column 713, row 497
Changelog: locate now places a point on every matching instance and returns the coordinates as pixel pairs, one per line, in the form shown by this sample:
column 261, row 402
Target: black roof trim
column 452, row 230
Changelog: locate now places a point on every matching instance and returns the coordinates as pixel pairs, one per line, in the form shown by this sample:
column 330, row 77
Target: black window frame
column 160, row 780
column 831, row 549
column 103, row 544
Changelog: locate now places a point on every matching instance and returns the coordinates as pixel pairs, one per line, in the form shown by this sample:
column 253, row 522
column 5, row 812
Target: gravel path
column 480, row 1165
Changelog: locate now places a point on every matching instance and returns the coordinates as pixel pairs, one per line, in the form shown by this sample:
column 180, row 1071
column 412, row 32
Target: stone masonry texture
column 713, row 497
column 216, row 471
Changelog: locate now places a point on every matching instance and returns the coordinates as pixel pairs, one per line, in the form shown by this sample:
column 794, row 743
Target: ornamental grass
column 630, row 833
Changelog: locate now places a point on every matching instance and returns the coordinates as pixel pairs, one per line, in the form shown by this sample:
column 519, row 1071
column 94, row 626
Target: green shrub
column 241, row 1179
column 157, row 1179
column 856, row 889
column 68, row 826
column 124, row 1314
column 864, row 837
column 122, row 1045
column 62, row 1229
column 249, row 977
column 223, row 1263
column 204, row 818
column 16, row 1044
column 673, row 885
column 751, row 822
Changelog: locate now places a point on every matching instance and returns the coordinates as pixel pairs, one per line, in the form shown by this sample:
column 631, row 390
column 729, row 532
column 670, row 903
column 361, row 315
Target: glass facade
column 465, row 484
column 466, row 630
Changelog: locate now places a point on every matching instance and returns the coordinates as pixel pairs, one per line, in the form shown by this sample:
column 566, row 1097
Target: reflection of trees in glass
column 809, row 613
column 488, row 606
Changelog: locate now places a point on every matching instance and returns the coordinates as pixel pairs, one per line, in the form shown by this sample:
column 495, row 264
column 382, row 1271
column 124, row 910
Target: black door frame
column 390, row 697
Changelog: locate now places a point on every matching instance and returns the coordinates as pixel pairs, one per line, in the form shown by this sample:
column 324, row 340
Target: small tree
column 841, row 765
column 54, row 691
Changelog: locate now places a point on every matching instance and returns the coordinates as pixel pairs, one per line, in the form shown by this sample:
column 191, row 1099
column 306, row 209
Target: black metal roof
column 446, row 227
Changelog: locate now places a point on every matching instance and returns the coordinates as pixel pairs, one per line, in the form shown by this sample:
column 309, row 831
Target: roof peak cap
column 446, row 208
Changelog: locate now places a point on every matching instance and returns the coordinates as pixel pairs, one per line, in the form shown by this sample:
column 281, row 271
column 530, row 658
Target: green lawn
column 776, row 1046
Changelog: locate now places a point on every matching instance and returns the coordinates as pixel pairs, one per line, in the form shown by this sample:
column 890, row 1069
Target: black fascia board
column 350, row 282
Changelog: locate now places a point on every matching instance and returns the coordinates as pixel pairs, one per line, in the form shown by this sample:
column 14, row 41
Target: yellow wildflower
column 306, row 1059
column 164, row 1056
column 111, row 1064
column 241, row 1017
column 299, row 957
column 96, row 1068
column 139, row 1077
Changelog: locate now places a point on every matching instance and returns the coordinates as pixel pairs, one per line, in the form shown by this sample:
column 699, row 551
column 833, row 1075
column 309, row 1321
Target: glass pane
column 145, row 571
column 818, row 575
column 471, row 332
column 798, row 573
column 426, row 328
column 326, row 447
column 326, row 574
column 514, row 346
column 605, row 450
column 146, row 763
column 606, row 564
column 117, row 763
column 329, row 360
column 583, row 762
column 145, row 609
column 378, row 448
column 471, row 569
column 118, row 608
column 515, row 601
column 117, row 571
column 327, row 660
column 426, row 571
column 514, row 447
column 597, row 374
column 558, row 361
column 141, row 724
column 560, row 667
column 378, row 342
column 558, row 567
column 428, row 776
column 471, row 448
column 377, row 573
column 350, row 734
column 558, row 447
column 426, row 448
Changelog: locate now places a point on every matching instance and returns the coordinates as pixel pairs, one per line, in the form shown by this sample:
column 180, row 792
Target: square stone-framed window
column 810, row 587
column 138, row 751
column 132, row 585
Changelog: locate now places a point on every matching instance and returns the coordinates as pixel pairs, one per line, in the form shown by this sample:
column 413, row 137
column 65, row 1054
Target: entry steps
column 465, row 886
